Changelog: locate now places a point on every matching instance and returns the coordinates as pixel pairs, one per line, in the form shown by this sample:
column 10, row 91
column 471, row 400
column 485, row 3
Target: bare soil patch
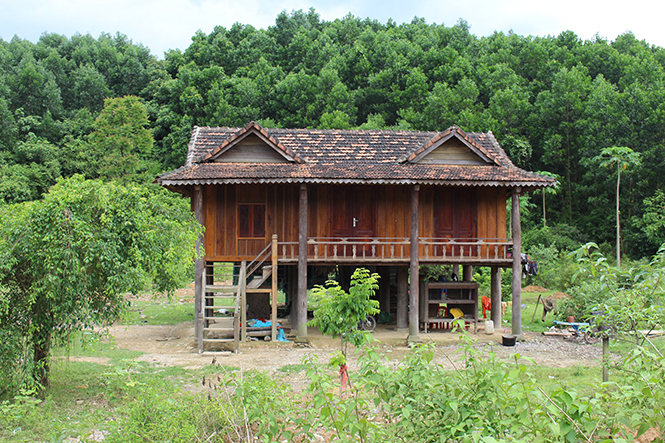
column 175, row 345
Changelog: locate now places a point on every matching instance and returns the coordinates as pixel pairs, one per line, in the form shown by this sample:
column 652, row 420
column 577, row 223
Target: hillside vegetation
column 552, row 102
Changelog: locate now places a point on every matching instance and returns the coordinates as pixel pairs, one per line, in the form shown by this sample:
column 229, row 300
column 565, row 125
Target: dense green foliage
column 338, row 313
column 482, row 399
column 553, row 102
column 66, row 260
column 628, row 302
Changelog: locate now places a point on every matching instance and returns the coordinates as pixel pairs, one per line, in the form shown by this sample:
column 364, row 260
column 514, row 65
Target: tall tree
column 621, row 157
column 122, row 143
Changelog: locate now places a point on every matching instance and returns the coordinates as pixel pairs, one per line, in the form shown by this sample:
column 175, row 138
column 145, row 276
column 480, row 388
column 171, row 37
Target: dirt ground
column 176, row 346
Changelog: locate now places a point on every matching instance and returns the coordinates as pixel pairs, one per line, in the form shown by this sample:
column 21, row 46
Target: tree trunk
column 618, row 225
column 41, row 346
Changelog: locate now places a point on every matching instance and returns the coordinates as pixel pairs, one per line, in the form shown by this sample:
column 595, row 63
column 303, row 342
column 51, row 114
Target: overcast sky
column 169, row 24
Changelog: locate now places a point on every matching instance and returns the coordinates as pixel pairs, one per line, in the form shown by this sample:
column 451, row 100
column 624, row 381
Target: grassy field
column 99, row 389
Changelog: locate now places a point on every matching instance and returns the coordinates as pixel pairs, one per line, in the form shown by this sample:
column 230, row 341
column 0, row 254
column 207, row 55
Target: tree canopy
column 553, row 102
column 66, row 261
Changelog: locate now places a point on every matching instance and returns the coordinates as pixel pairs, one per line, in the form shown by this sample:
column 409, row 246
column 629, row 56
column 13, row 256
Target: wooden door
column 455, row 215
column 354, row 217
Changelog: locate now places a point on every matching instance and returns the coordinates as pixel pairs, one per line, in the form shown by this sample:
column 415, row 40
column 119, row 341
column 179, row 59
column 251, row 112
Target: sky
column 170, row 24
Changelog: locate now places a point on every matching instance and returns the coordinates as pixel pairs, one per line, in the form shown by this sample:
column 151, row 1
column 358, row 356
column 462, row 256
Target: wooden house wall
column 391, row 209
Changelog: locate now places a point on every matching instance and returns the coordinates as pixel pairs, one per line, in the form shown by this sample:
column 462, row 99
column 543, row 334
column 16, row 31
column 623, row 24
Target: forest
column 108, row 108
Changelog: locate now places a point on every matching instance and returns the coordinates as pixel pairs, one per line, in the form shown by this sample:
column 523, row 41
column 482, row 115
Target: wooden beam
column 414, row 326
column 402, row 297
column 198, row 266
column 301, row 327
column 517, row 264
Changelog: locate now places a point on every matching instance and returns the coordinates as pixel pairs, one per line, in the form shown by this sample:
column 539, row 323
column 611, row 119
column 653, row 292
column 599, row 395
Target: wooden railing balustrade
column 384, row 249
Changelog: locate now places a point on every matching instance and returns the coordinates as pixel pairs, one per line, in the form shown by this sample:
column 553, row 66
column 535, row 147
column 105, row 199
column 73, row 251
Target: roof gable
column 283, row 155
column 251, row 144
column 452, row 147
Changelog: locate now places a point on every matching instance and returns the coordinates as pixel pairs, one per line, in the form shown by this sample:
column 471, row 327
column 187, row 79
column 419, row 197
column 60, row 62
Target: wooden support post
column 199, row 264
column 456, row 270
column 414, row 326
column 467, row 273
column 384, row 288
column 273, row 289
column 495, row 295
column 301, row 327
column 402, row 297
column 517, row 264
column 242, row 293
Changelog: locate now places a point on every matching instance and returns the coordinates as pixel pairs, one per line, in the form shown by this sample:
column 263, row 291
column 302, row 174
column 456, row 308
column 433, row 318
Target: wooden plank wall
column 392, row 215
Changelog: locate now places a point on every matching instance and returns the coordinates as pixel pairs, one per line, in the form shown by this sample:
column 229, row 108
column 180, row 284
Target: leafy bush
column 555, row 269
column 626, row 300
column 564, row 237
column 483, row 277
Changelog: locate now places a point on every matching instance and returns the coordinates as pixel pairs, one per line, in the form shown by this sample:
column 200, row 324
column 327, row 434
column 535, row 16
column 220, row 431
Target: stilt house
column 308, row 200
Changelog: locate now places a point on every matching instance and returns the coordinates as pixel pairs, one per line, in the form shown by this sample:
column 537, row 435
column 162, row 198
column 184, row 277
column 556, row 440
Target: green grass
column 158, row 312
column 529, row 299
column 584, row 379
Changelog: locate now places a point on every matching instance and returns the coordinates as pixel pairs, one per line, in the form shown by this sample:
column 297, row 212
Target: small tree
column 121, row 144
column 622, row 157
column 66, row 261
column 338, row 313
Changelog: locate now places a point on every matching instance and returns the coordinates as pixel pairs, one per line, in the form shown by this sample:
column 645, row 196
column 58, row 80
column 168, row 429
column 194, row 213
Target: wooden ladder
column 213, row 292
column 237, row 290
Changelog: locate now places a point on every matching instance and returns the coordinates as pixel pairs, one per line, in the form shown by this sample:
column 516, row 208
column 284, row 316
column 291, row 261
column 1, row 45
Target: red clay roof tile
column 347, row 156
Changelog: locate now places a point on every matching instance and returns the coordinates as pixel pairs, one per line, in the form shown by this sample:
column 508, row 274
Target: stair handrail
column 258, row 261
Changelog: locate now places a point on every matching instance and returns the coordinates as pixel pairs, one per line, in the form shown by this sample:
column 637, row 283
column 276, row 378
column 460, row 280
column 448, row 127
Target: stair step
column 221, row 288
column 221, row 297
column 218, row 340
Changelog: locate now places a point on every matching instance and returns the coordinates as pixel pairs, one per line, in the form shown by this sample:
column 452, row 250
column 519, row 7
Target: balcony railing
column 382, row 249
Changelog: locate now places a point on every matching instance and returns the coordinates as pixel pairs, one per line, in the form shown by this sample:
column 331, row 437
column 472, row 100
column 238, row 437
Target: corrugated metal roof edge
column 489, row 183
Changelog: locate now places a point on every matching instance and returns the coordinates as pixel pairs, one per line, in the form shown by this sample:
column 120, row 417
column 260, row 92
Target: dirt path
column 175, row 346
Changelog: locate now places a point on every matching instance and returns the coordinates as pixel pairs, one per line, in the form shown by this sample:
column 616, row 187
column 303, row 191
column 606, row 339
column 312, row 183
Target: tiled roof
column 347, row 156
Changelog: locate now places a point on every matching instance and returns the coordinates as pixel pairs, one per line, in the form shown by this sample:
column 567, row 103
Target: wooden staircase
column 219, row 285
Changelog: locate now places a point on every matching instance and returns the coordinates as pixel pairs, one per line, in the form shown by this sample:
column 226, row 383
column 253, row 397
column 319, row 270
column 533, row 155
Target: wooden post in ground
column 467, row 273
column 402, row 297
column 197, row 206
column 517, row 264
column 301, row 327
column 495, row 295
column 242, row 293
column 606, row 358
column 273, row 289
column 384, row 288
column 414, row 327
